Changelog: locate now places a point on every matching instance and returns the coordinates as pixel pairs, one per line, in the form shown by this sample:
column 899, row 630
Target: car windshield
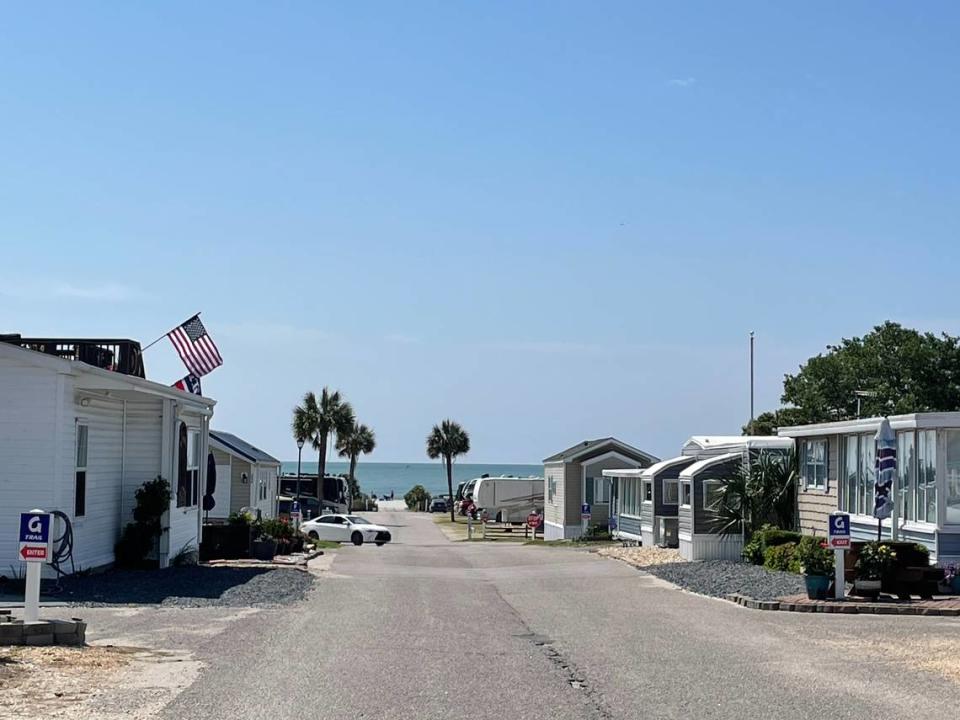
column 357, row 520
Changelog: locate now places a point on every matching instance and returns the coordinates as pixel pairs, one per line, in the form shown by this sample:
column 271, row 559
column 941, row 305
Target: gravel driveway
column 196, row 586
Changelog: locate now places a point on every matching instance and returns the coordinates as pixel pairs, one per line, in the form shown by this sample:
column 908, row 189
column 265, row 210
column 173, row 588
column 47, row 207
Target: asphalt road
column 428, row 628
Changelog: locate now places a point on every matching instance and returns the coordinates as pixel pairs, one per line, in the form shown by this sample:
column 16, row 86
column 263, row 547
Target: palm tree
column 304, row 421
column 760, row 490
column 447, row 440
column 317, row 418
column 360, row 440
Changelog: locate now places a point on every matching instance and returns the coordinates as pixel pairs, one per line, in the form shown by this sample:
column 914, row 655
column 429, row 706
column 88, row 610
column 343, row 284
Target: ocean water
column 381, row 478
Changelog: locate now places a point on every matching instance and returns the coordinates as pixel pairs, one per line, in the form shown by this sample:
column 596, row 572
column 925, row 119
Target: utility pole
column 751, row 375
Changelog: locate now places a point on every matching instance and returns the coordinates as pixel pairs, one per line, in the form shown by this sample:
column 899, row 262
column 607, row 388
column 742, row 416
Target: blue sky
column 549, row 221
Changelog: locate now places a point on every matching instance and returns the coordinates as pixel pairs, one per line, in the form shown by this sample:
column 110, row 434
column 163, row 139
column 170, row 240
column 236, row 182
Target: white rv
column 508, row 498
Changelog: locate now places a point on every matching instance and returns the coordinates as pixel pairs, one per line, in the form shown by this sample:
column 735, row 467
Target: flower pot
column 817, row 586
column 263, row 549
column 867, row 587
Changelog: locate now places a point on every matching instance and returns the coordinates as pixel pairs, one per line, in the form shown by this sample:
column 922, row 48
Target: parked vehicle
column 507, row 498
column 332, row 495
column 309, row 506
column 345, row 528
column 439, row 504
column 464, row 504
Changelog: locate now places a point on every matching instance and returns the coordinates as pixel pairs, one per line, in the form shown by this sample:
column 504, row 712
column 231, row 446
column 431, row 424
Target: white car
column 345, row 528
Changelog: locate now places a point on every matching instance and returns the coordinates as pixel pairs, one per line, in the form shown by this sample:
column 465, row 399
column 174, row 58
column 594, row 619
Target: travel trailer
column 507, row 498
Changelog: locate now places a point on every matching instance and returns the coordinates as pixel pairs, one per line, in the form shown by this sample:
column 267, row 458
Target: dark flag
column 190, row 384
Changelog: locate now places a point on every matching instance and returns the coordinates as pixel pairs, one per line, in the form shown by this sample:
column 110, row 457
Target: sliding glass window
column 953, row 477
column 868, row 473
column 927, row 475
column 851, row 473
column 907, row 471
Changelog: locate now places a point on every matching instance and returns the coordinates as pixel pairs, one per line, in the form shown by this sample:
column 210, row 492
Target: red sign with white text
column 33, row 552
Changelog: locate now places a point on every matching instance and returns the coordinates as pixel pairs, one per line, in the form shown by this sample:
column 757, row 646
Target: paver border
column 841, row 607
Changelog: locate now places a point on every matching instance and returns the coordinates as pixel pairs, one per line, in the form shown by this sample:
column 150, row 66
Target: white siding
column 96, row 533
column 28, row 457
column 266, row 476
column 142, row 458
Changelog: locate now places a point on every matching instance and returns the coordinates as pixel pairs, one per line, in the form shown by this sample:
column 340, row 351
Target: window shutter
column 588, row 498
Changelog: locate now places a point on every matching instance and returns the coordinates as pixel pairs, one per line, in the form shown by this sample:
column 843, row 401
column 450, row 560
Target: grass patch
column 573, row 543
column 325, row 544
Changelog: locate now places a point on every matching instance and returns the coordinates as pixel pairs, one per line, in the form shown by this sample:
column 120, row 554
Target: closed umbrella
column 208, row 502
column 886, row 473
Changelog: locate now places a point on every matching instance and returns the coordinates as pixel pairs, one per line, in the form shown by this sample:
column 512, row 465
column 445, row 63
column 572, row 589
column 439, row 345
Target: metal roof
column 242, row 447
column 702, row 444
column 701, row 465
column 587, row 446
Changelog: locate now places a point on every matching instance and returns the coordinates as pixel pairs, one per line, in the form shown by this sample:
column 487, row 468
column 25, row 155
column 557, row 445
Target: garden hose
column 62, row 548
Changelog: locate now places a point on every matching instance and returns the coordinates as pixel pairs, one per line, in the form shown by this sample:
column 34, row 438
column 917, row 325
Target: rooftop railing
column 119, row 355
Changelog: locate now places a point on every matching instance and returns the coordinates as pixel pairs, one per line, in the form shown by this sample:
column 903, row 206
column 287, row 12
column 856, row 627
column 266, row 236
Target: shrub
column 277, row 529
column 597, row 533
column 153, row 500
column 875, row 561
column 768, row 536
column 813, row 556
column 417, row 497
column 243, row 518
column 780, row 557
column 753, row 551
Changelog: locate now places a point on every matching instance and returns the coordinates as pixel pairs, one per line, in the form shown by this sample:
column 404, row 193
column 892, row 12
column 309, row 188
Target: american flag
column 191, row 384
column 195, row 347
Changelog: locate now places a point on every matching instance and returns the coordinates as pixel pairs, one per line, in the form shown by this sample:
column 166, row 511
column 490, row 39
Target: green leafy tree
column 766, row 423
column 448, row 440
column 890, row 370
column 318, row 418
column 416, row 497
column 359, row 440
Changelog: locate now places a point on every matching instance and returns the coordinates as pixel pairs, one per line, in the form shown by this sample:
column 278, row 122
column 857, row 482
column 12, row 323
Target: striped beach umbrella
column 886, row 441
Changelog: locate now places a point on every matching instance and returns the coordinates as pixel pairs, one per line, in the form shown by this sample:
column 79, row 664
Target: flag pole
column 147, row 347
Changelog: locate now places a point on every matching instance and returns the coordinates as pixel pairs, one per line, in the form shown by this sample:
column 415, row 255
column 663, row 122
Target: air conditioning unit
column 668, row 529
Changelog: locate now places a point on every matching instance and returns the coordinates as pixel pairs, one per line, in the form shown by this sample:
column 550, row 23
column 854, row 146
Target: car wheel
column 380, row 544
column 313, row 535
column 357, row 539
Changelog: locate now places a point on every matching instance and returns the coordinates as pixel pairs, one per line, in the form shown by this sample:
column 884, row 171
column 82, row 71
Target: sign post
column 34, row 550
column 296, row 515
column 838, row 537
column 533, row 522
column 585, row 516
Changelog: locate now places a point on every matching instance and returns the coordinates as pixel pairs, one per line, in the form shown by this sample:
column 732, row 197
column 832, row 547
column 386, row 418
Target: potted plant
column 873, row 563
column 816, row 564
column 951, row 579
column 263, row 548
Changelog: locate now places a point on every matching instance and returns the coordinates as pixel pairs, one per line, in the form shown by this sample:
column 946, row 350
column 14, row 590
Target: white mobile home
column 247, row 477
column 837, row 473
column 82, row 439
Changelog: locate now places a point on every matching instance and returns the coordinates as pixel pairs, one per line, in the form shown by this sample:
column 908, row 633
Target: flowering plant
column 875, row 561
column 814, row 557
